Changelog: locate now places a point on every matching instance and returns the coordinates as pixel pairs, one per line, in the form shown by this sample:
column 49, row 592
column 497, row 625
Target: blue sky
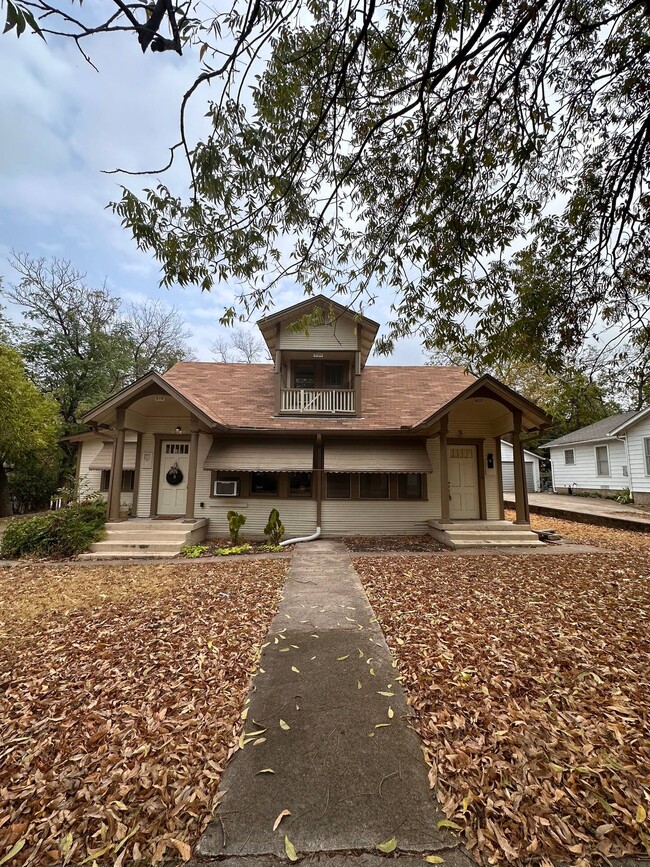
column 62, row 124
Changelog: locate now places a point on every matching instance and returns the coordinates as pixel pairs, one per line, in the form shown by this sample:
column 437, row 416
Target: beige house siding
column 89, row 480
column 340, row 335
column 143, row 509
column 492, row 493
column 375, row 518
column 297, row 515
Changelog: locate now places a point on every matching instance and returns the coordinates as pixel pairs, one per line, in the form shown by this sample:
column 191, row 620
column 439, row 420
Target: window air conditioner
column 226, row 489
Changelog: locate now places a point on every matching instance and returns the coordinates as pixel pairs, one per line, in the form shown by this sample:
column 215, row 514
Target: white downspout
column 311, row 538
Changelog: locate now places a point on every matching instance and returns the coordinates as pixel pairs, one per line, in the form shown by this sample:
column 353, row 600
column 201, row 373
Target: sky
column 62, row 124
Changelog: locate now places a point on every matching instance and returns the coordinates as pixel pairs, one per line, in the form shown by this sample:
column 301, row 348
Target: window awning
column 104, row 458
column 274, row 456
column 376, row 456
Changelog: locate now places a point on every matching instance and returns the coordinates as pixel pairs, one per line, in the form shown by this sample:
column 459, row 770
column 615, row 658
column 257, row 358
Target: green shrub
column 235, row 522
column 274, row 548
column 624, row 497
column 192, row 551
column 56, row 534
column 238, row 549
column 274, row 530
column 32, row 483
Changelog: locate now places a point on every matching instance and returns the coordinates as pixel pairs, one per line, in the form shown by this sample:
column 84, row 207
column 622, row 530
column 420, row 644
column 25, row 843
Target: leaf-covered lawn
column 121, row 691
column 590, row 534
column 530, row 681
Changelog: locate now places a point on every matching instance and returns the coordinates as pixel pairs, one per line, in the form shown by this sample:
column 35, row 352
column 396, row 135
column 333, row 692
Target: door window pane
column 305, row 376
column 338, row 486
column 409, row 486
column 602, row 461
column 373, row 486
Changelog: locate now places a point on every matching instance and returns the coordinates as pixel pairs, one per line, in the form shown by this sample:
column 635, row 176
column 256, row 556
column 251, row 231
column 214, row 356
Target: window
column 646, row 453
column 304, row 376
column 569, row 457
column 177, row 448
column 128, row 481
column 624, row 468
column 338, row 486
column 409, row 486
column 333, row 376
column 300, row 484
column 374, row 486
column 264, row 484
column 602, row 461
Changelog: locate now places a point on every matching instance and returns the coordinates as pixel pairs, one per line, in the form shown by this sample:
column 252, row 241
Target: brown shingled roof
column 243, row 395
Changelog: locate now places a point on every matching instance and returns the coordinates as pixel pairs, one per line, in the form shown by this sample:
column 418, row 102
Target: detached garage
column 508, row 469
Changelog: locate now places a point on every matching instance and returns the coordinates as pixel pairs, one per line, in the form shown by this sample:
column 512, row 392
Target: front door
column 172, row 486
column 463, row 483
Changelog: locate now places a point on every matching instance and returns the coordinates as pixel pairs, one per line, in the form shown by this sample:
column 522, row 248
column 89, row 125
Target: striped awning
column 376, row 456
column 105, row 457
column 263, row 455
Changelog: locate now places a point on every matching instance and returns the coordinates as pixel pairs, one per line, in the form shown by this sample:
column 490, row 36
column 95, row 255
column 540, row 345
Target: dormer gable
column 319, row 324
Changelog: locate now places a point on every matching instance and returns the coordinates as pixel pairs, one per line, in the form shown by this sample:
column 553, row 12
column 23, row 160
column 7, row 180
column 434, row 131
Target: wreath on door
column 174, row 475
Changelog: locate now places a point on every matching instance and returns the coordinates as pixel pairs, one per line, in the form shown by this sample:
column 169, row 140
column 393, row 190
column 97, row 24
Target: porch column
column 444, row 470
column 117, row 467
column 521, row 495
column 190, row 495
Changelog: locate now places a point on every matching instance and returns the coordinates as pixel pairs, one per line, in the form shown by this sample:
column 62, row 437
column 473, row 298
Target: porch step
column 483, row 534
column 147, row 539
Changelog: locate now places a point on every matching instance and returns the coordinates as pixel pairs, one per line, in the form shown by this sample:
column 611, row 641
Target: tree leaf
column 280, row 818
column 434, row 859
column 447, row 823
column 284, row 725
column 290, row 849
column 388, row 846
column 184, row 849
column 15, row 849
column 297, row 670
column 641, row 814
column 265, row 771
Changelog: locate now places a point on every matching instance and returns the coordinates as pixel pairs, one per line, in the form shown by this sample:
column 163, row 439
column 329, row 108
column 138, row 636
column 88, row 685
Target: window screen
column 300, row 484
column 338, row 486
column 409, row 486
column 264, row 483
column 602, row 461
column 373, row 486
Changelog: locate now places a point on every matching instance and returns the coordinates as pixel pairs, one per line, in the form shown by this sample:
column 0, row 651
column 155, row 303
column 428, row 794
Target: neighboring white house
column 531, row 463
column 609, row 455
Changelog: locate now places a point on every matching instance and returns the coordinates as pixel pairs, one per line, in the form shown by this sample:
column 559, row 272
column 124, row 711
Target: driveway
column 586, row 509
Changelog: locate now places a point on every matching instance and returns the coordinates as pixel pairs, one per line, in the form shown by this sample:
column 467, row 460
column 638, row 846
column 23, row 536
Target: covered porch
column 468, row 432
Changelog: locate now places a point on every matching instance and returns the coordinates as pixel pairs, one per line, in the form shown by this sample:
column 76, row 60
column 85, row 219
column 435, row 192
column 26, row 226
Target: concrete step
column 492, row 526
column 125, row 555
column 150, row 535
column 135, row 546
column 477, row 534
column 494, row 542
column 155, row 526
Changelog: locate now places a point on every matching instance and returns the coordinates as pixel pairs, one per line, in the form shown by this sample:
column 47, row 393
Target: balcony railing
column 318, row 400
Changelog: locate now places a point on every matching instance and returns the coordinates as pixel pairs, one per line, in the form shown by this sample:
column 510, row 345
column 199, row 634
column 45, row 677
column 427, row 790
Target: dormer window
column 304, row 376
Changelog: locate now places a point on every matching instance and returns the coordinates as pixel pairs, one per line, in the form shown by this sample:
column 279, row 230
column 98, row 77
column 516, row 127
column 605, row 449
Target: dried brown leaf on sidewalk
column 529, row 677
column 121, row 691
column 612, row 538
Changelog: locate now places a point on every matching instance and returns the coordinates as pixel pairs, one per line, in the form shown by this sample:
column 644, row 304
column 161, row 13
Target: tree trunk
column 6, row 508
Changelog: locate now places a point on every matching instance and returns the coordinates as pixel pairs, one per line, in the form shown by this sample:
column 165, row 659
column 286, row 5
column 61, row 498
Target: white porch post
column 521, row 495
column 117, row 467
column 444, row 470
column 190, row 495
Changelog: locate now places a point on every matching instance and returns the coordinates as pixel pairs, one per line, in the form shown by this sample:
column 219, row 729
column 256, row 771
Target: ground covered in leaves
column 121, row 692
column 590, row 534
column 423, row 542
column 530, row 681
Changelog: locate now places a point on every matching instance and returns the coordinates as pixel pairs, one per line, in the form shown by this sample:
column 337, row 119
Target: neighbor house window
column 569, row 457
column 602, row 461
column 264, row 484
column 300, row 484
column 646, row 453
column 409, row 486
column 128, row 481
column 338, row 486
column 624, row 468
column 374, row 486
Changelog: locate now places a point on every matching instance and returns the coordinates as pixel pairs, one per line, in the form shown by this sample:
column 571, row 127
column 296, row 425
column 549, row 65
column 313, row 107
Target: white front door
column 463, row 483
column 172, row 485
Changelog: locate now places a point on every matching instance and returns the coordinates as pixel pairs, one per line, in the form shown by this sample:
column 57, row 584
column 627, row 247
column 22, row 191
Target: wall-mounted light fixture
column 179, row 429
column 490, row 461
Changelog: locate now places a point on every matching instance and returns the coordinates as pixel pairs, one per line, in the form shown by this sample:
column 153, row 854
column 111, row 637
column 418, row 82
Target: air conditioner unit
column 226, row 489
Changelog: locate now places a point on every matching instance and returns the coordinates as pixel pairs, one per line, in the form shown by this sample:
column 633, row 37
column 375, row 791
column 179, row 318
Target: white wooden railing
column 313, row 400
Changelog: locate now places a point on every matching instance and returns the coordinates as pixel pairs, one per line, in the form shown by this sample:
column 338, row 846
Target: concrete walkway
column 586, row 510
column 326, row 736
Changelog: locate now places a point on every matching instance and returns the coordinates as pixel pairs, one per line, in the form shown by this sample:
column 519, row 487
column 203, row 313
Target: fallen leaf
column 388, row 846
column 183, row 849
column 434, row 859
column 290, row 849
column 280, row 818
column 284, row 725
column 265, row 771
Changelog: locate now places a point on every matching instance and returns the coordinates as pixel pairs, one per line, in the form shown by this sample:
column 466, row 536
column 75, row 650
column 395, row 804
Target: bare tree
column 156, row 337
column 240, row 346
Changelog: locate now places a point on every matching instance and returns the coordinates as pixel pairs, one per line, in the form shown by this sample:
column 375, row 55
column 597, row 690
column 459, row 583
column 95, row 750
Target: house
column 331, row 441
column 604, row 457
column 531, row 466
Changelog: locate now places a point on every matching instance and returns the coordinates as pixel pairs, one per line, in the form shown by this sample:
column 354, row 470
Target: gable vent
column 160, row 398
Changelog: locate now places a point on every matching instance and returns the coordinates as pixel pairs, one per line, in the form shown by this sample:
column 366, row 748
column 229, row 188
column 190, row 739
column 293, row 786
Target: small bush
column 235, row 522
column 273, row 548
column 192, row 551
column 624, row 497
column 56, row 534
column 274, row 530
column 237, row 549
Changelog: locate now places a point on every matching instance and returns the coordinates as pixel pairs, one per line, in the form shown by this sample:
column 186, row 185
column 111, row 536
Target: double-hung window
column 646, row 454
column 569, row 457
column 602, row 461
